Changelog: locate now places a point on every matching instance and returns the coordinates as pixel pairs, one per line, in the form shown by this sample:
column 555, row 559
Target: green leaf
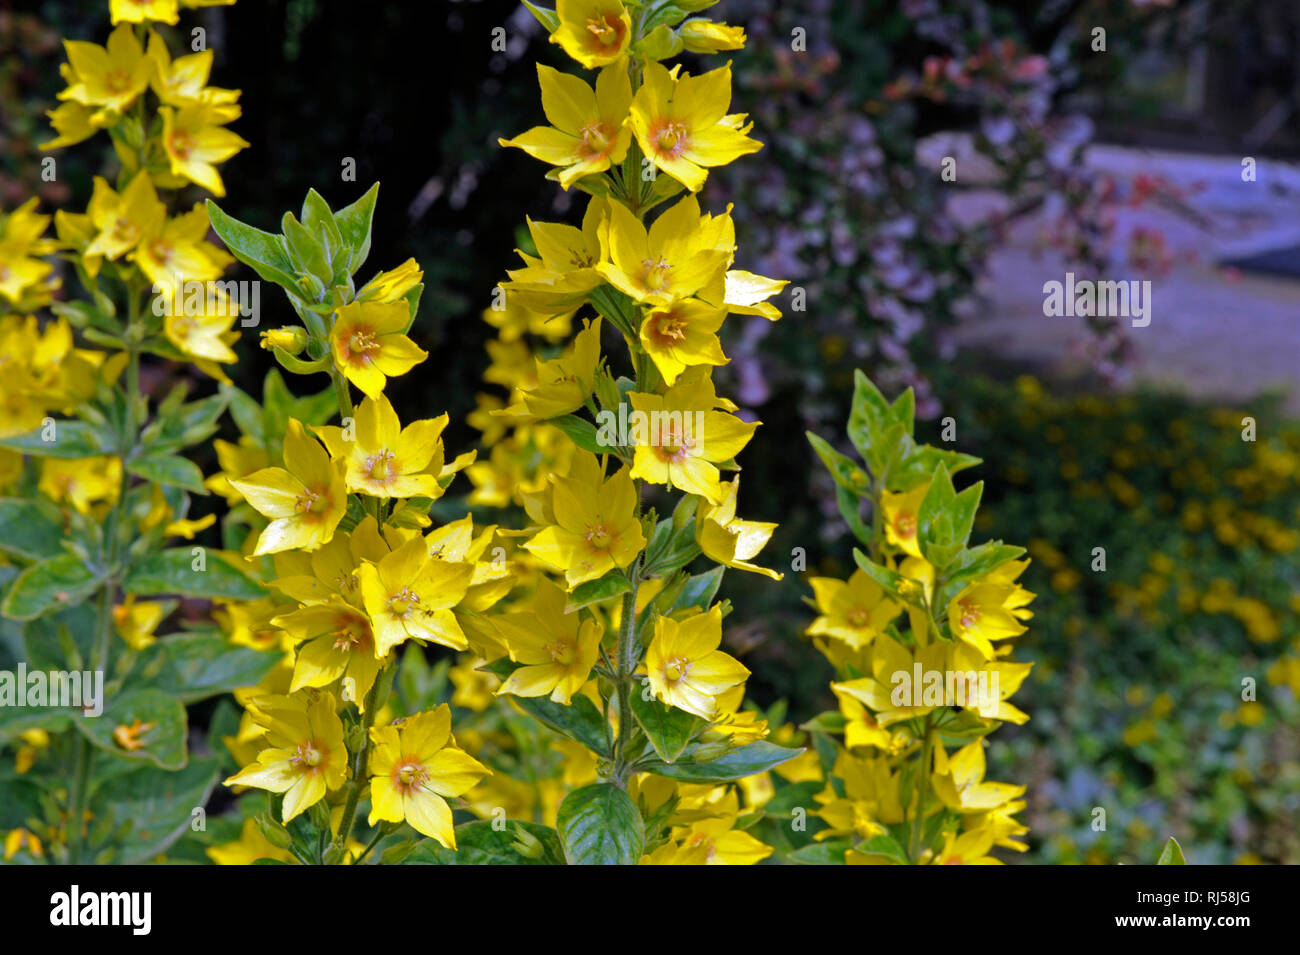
column 30, row 528
column 164, row 740
column 669, row 729
column 922, row 461
column 581, row 432
column 842, row 468
column 547, row 18
column 895, row 584
column 170, row 469
column 971, row 564
column 600, row 825
column 185, row 425
column 670, row 548
column 937, row 532
column 194, row 666
column 580, row 720
column 884, row 846
column 869, row 419
column 1172, row 854
column 699, row 591
column 830, row 852
column 69, row 439
column 16, row 720
column 49, row 586
column 603, row 588
column 261, row 251
column 747, row 760
column 480, row 843
column 354, row 223
column 157, row 804
column 171, row 571
column 318, row 219
column 306, row 251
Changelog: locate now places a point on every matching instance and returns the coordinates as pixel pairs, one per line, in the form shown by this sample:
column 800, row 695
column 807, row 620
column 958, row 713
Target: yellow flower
column 685, row 667
column 681, row 334
column 109, row 77
column 683, row 126
column 587, row 133
column 984, row 611
column 136, row 622
column 959, row 781
column 706, row 36
column 593, row 32
column 687, row 438
column 415, row 767
column 855, row 611
column 370, row 344
column 563, row 384
column 681, row 253
column 195, row 141
column 305, row 499
column 20, row 244
column 129, row 737
column 143, row 11
column 969, row 848
column 383, row 458
column 306, row 757
column 901, row 513
column 560, row 276
column 409, row 596
column 331, row 571
column 893, row 691
column 74, row 123
column 870, row 801
column 172, row 251
column 337, row 644
column 202, row 329
column 595, row 529
column 248, row 848
column 183, row 81
column 557, row 649
column 728, row 540
column 81, row 482
column 393, row 285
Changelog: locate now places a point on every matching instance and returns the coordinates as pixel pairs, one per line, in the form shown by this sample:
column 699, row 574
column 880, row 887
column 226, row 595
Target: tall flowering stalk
column 919, row 638
column 619, row 646
column 92, row 471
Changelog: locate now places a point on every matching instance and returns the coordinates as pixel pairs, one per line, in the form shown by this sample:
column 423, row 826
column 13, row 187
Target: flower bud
column 273, row 832
column 288, row 339
column 706, row 36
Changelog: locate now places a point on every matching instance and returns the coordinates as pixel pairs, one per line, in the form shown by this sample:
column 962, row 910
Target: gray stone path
column 1214, row 332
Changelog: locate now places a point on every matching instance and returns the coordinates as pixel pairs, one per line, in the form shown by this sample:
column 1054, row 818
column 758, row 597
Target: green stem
column 922, row 790
column 101, row 649
column 374, row 700
column 625, row 684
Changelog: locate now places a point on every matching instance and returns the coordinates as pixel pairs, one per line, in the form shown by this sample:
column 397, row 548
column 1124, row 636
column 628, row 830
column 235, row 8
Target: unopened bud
column 288, row 339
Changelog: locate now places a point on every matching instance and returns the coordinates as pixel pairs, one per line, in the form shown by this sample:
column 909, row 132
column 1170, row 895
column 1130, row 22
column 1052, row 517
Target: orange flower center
column 671, row 138
column 562, row 652
column 402, row 602
column 352, row 634
column 593, row 136
column 656, row 273
column 970, row 612
column 606, row 29
column 905, row 525
column 599, row 536
column 859, row 617
column 180, row 143
column 675, row 668
column 410, row 775
column 310, row 756
column 312, row 501
column 668, row 328
column 117, row 81
column 379, row 466
column 362, row 344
